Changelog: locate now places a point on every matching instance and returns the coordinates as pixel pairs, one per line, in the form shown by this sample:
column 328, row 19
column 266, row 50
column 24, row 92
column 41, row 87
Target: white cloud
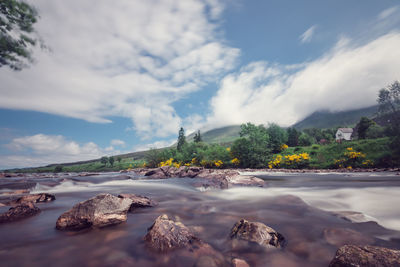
column 388, row 12
column 308, row 34
column 347, row 77
column 41, row 149
column 117, row 142
column 126, row 58
column 157, row 144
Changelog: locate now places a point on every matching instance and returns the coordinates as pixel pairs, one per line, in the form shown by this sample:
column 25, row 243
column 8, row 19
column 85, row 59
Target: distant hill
column 220, row 135
column 326, row 119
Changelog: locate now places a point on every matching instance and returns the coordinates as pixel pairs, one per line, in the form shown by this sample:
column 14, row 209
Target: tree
column 197, row 137
column 111, row 160
column 17, row 36
column 181, row 139
column 119, row 160
column 104, row 160
column 363, row 126
column 253, row 148
column 305, row 140
column 389, row 102
column 277, row 137
column 389, row 99
column 293, row 137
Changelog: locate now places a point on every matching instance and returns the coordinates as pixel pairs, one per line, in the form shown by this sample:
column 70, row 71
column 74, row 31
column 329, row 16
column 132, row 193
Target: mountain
column 220, row 135
column 326, row 119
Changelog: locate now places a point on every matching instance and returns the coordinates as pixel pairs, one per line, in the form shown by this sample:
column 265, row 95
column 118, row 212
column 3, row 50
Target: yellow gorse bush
column 284, row 146
column 235, row 161
column 291, row 161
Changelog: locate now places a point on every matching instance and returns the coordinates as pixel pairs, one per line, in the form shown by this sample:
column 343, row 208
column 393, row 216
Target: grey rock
column 99, row 211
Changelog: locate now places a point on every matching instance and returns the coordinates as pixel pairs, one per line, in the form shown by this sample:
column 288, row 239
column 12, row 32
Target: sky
column 125, row 75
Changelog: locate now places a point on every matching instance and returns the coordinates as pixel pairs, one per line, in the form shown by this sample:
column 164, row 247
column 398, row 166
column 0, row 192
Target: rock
column 353, row 216
column 99, row 211
column 245, row 180
column 165, row 235
column 18, row 212
column 15, row 192
column 239, row 263
column 156, row 174
column 256, row 232
column 138, row 201
column 35, row 198
column 206, row 261
column 342, row 236
column 351, row 256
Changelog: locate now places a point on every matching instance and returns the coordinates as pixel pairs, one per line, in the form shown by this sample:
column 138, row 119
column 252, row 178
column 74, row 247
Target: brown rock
column 138, row 201
column 245, row 180
column 35, row 198
column 344, row 236
column 353, row 216
column 351, row 256
column 99, row 211
column 256, row 232
column 156, row 174
column 18, row 212
column 239, row 263
column 165, row 234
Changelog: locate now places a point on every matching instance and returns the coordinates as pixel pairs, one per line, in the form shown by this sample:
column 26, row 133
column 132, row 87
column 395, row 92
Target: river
column 210, row 214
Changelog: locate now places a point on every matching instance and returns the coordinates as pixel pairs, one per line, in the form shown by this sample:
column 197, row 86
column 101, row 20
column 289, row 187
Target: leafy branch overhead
column 17, row 35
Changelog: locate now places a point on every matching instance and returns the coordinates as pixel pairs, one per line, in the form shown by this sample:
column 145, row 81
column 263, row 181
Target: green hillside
column 220, row 135
column 326, row 119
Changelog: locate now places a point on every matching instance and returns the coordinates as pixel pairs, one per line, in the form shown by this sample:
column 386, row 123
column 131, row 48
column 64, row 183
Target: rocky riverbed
column 198, row 217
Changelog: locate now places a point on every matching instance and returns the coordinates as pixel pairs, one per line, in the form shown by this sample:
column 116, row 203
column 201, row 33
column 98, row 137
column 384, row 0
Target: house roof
column 346, row 130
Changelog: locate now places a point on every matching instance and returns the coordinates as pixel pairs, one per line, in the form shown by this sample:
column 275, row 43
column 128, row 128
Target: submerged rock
column 35, row 198
column 99, row 211
column 351, row 255
column 344, row 236
column 239, row 263
column 138, row 201
column 19, row 212
column 256, row 232
column 353, row 216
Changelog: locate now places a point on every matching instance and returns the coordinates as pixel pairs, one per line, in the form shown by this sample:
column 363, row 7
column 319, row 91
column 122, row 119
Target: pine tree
column 197, row 137
column 181, row 139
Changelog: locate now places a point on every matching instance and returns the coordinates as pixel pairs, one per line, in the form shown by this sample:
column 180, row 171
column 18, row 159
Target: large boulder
column 166, row 234
column 258, row 233
column 351, row 256
column 138, row 201
column 99, row 211
column 35, row 198
column 156, row 174
column 18, row 212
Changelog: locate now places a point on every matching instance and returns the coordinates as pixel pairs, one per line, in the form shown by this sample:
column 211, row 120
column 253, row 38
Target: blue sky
column 124, row 77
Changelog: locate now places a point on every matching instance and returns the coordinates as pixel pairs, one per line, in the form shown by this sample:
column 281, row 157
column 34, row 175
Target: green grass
column 324, row 156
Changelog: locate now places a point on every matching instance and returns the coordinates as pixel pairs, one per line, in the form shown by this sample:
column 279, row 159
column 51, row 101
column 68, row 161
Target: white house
column 344, row 134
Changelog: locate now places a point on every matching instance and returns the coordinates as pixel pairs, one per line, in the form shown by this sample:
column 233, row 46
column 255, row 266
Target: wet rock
column 19, row 212
column 85, row 174
column 351, row 255
column 15, row 192
column 239, row 263
column 166, row 234
column 245, row 180
column 99, row 211
column 35, row 198
column 256, row 232
column 138, row 201
column 206, row 261
column 344, row 236
column 353, row 216
column 156, row 174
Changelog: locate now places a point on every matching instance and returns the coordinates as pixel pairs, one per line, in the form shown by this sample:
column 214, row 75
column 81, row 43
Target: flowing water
column 210, row 214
